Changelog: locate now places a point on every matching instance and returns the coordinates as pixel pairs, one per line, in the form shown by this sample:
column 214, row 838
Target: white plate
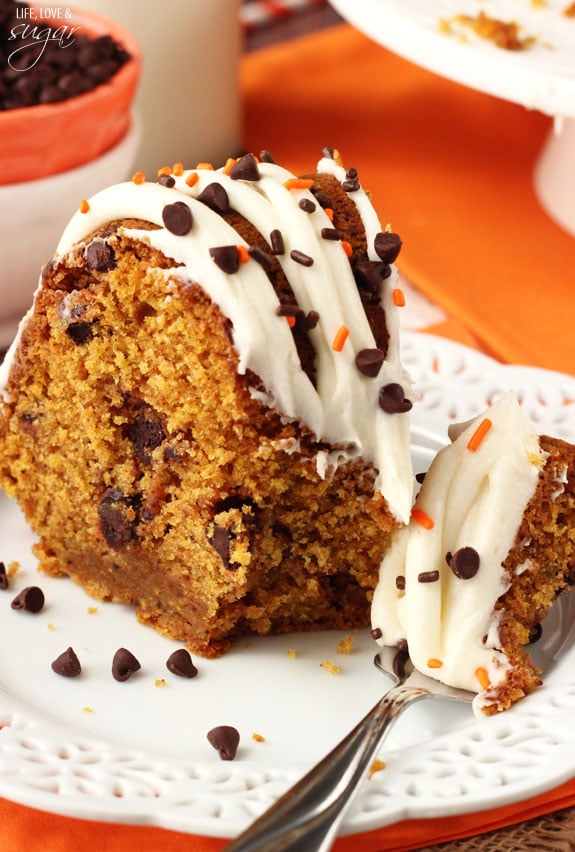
column 541, row 77
column 137, row 752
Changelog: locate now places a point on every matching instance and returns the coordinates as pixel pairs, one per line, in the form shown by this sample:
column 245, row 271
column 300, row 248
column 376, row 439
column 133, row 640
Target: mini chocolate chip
column 177, row 218
column 180, row 663
column 331, row 234
column 419, row 477
column 225, row 740
column 370, row 274
column 277, row 242
column 369, row 362
column 289, row 311
column 167, row 180
column 400, row 582
column 311, row 320
column 392, row 399
column 376, row 633
column 307, row 205
column 30, row 599
column 428, row 577
column 100, row 255
column 535, row 633
column 300, row 257
column 266, row 157
column 145, row 434
column 246, row 168
column 402, row 645
column 387, row 245
column 67, row 664
column 226, row 257
column 215, row 197
column 351, row 185
column 124, row 664
column 264, row 259
column 465, row 563
column 329, row 152
column 80, row 332
column 3, row 577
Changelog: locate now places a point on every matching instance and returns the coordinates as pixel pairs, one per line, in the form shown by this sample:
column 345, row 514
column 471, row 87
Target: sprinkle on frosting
column 301, row 257
column 339, row 340
column 422, row 518
column 84, row 206
column 479, row 435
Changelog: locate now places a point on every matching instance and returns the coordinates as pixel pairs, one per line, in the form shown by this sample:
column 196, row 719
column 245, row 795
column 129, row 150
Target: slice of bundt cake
column 205, row 412
column 490, row 544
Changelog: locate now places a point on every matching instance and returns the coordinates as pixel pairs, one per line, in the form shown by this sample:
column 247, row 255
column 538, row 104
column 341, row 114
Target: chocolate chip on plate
column 30, row 599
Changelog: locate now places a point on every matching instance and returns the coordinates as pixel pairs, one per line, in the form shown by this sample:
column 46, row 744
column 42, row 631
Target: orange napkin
column 449, row 167
column 451, row 170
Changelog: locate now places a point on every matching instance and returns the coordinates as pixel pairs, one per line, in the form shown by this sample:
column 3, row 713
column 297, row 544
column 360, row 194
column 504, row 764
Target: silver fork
column 306, row 818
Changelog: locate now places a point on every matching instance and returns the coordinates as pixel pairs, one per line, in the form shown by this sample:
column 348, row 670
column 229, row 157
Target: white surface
column 541, row 77
column 141, row 754
column 33, row 215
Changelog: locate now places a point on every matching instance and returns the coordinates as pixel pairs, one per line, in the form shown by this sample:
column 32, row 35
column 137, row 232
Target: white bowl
column 33, row 215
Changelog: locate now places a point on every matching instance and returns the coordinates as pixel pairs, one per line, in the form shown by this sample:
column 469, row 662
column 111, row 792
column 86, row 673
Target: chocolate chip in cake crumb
column 145, row 434
column 67, row 664
column 221, row 539
column 225, row 739
column 166, row 180
column 226, row 257
column 307, row 205
column 428, row 577
column 387, row 245
column 535, row 633
column 301, row 258
column 464, row 563
column 30, row 599
column 3, row 577
column 392, row 399
column 100, row 256
column 215, row 197
column 180, row 663
column 118, row 515
column 177, row 218
column 277, row 242
column 246, row 168
column 369, row 362
column 80, row 332
column 124, row 665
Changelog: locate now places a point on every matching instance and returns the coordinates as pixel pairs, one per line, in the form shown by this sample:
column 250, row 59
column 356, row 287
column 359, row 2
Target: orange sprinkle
column 329, row 213
column 290, row 321
column 477, row 438
column 298, row 183
column 347, row 247
column 178, row 169
column 192, row 178
column 84, row 206
column 230, row 163
column 165, row 170
column 434, row 663
column 483, row 677
column 139, row 178
column 205, row 166
column 339, row 340
column 243, row 254
column 423, row 519
column 399, row 298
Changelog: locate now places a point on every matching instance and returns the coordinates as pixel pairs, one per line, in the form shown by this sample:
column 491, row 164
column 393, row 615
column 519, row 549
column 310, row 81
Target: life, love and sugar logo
column 36, row 27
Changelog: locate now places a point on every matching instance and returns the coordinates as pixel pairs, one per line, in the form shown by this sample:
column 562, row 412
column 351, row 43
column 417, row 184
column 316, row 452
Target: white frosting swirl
column 344, row 408
column 475, row 498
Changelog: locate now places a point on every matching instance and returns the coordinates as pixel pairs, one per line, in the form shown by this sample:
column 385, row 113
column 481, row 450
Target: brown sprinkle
column 428, row 577
column 301, row 257
column 3, row 577
column 277, row 242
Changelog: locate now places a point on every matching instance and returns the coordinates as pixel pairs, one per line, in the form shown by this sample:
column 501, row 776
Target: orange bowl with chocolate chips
column 56, row 115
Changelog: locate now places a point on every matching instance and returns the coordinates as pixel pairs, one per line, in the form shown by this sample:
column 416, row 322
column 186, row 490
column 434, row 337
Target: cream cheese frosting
column 441, row 578
column 343, row 408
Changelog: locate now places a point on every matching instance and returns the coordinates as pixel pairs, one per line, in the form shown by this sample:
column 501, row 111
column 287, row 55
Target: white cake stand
column 541, row 77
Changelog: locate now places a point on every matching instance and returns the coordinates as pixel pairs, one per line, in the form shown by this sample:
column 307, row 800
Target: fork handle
column 308, row 815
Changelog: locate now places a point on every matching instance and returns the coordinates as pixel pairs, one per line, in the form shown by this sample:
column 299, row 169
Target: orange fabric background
column 451, row 170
